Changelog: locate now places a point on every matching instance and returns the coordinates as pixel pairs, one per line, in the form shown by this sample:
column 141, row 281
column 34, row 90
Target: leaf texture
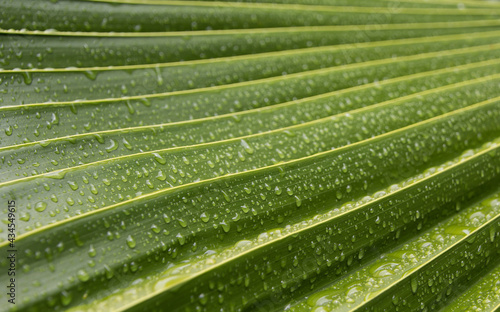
column 256, row 155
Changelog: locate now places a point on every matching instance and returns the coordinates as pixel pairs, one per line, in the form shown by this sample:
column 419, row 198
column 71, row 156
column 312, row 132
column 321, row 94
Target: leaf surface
column 270, row 155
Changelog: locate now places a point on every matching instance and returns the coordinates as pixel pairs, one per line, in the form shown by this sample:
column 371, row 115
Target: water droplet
column 92, row 252
column 414, row 285
column 166, row 219
column 65, row 298
column 126, row 144
column 458, row 230
column 8, row 130
column 54, row 198
column 58, row 174
column 109, row 273
column 155, row 228
column 204, row 217
column 203, row 299
column 90, row 74
column 247, row 147
column 73, row 185
column 383, row 269
column 182, row 222
column 27, row 77
column 25, row 216
column 160, row 176
column 113, row 146
column 395, row 300
column 226, row 196
column 181, row 238
column 131, row 241
column 159, row 158
column 226, row 227
column 40, row 206
column 83, row 275
column 298, row 201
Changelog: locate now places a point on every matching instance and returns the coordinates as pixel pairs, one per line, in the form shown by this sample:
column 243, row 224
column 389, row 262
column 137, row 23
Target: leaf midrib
column 346, row 46
column 309, row 8
column 216, row 32
column 448, row 2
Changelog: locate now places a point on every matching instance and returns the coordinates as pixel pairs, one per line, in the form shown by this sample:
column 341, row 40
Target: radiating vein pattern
column 250, row 155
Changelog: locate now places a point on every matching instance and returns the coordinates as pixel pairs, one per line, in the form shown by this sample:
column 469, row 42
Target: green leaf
column 270, row 155
column 487, row 286
column 177, row 166
column 105, row 49
column 107, row 144
column 34, row 86
column 410, row 265
column 187, row 15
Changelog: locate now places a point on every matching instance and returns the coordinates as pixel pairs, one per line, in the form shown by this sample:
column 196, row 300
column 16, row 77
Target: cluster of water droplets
column 380, row 273
column 209, row 206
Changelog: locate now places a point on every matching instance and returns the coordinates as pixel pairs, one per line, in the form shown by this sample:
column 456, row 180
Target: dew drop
column 73, row 185
column 109, row 273
column 203, row 299
column 181, row 238
column 40, row 206
column 113, row 146
column 126, row 144
column 65, row 298
column 247, row 147
column 159, row 158
column 27, row 77
column 414, row 285
column 204, row 217
column 166, row 219
column 98, row 138
column 182, row 222
column 226, row 196
column 160, row 176
column 90, row 74
column 8, row 131
column 25, row 217
column 83, row 275
column 277, row 190
column 226, row 227
column 155, row 228
column 245, row 208
column 131, row 241
column 298, row 201
column 92, row 252
column 54, row 198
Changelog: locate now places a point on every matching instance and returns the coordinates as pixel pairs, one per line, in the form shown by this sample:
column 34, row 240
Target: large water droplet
column 159, row 158
column 83, row 275
column 249, row 149
column 131, row 241
column 40, row 206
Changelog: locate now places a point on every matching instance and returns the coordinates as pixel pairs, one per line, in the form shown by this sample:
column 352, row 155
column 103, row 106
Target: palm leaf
column 252, row 155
